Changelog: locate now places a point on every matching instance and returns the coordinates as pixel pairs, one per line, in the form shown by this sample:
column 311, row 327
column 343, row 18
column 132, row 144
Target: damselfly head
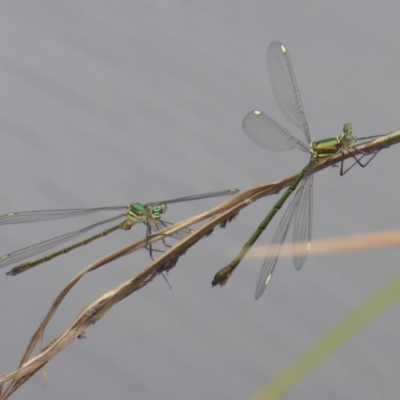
column 348, row 137
column 158, row 210
column 348, row 128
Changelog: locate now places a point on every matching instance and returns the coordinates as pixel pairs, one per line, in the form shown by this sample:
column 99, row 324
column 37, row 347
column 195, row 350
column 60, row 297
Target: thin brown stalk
column 94, row 311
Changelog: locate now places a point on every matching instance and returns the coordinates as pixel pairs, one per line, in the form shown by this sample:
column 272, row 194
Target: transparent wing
column 279, row 237
column 302, row 224
column 218, row 193
column 31, row 251
column 22, row 217
column 267, row 133
column 45, row 215
column 157, row 225
column 285, row 87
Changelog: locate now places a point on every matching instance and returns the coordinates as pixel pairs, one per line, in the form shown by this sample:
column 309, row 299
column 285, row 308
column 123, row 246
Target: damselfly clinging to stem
column 149, row 214
column 267, row 133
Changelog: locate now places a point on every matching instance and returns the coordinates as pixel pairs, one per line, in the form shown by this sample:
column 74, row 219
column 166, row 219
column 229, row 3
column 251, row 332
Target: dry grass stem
column 218, row 216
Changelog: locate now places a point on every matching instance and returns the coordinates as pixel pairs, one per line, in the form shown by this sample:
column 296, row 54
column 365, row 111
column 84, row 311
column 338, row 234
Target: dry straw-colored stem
column 91, row 313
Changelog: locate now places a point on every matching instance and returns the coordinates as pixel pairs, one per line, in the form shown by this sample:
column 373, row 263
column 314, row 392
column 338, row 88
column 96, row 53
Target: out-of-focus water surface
column 106, row 103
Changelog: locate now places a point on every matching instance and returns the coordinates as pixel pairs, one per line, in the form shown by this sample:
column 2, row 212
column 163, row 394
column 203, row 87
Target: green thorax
column 328, row 147
column 138, row 212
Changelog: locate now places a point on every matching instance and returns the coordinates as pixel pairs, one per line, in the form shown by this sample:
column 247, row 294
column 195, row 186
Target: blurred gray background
column 110, row 102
